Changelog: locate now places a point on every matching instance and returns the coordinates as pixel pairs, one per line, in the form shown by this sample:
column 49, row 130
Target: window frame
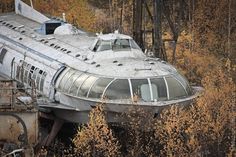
column 129, row 98
column 111, row 79
column 73, row 83
column 77, row 92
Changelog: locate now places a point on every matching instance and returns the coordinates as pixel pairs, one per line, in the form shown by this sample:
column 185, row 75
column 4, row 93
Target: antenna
column 64, row 17
column 31, row 3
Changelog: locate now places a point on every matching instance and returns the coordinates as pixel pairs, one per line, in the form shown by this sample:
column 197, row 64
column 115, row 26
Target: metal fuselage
column 73, row 71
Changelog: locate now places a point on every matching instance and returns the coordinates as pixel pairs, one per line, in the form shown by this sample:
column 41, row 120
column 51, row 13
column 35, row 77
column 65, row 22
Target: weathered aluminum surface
column 74, row 51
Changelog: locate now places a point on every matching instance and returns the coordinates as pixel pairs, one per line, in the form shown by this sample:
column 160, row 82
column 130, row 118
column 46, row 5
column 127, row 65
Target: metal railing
column 10, row 94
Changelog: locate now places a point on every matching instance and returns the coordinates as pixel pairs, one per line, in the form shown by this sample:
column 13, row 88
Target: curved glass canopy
column 163, row 88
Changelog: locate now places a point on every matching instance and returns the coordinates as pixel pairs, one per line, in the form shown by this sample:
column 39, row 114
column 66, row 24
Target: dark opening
column 2, row 54
column 50, row 27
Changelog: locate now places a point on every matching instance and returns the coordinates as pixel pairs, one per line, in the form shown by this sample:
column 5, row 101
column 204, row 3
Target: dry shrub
column 207, row 127
column 138, row 138
column 172, row 130
column 96, row 139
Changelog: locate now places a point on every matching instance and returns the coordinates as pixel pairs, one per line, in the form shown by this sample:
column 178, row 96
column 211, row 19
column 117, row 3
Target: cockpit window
column 134, row 45
column 120, row 44
column 115, row 45
column 102, row 45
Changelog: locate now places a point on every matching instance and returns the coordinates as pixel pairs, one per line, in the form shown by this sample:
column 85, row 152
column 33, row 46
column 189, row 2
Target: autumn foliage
column 96, row 138
column 205, row 54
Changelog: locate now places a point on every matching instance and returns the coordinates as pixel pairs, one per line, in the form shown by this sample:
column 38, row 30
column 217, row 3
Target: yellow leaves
column 96, row 139
column 207, row 122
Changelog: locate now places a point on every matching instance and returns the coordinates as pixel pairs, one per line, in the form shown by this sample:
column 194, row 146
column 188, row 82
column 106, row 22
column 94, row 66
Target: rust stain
column 10, row 129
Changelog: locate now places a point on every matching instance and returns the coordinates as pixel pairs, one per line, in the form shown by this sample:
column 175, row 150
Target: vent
column 20, row 38
column 23, row 31
column 98, row 65
column 152, row 63
column 57, row 47
column 115, row 61
column 52, row 45
column 93, row 63
column 119, row 64
column 2, row 55
column 68, row 52
column 164, row 62
column 77, row 55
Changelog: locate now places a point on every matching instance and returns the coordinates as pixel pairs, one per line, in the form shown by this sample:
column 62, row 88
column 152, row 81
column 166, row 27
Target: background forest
column 205, row 54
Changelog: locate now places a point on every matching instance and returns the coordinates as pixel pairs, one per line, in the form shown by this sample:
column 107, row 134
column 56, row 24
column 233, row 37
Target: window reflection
column 159, row 91
column 184, row 82
column 70, row 81
column 115, row 45
column 98, row 88
column 83, row 85
column 65, row 78
column 141, row 89
column 176, row 90
column 77, row 83
column 86, row 86
column 120, row 44
column 119, row 89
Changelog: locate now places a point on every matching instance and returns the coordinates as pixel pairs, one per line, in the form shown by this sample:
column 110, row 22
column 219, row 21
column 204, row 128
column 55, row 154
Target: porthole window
column 119, row 89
